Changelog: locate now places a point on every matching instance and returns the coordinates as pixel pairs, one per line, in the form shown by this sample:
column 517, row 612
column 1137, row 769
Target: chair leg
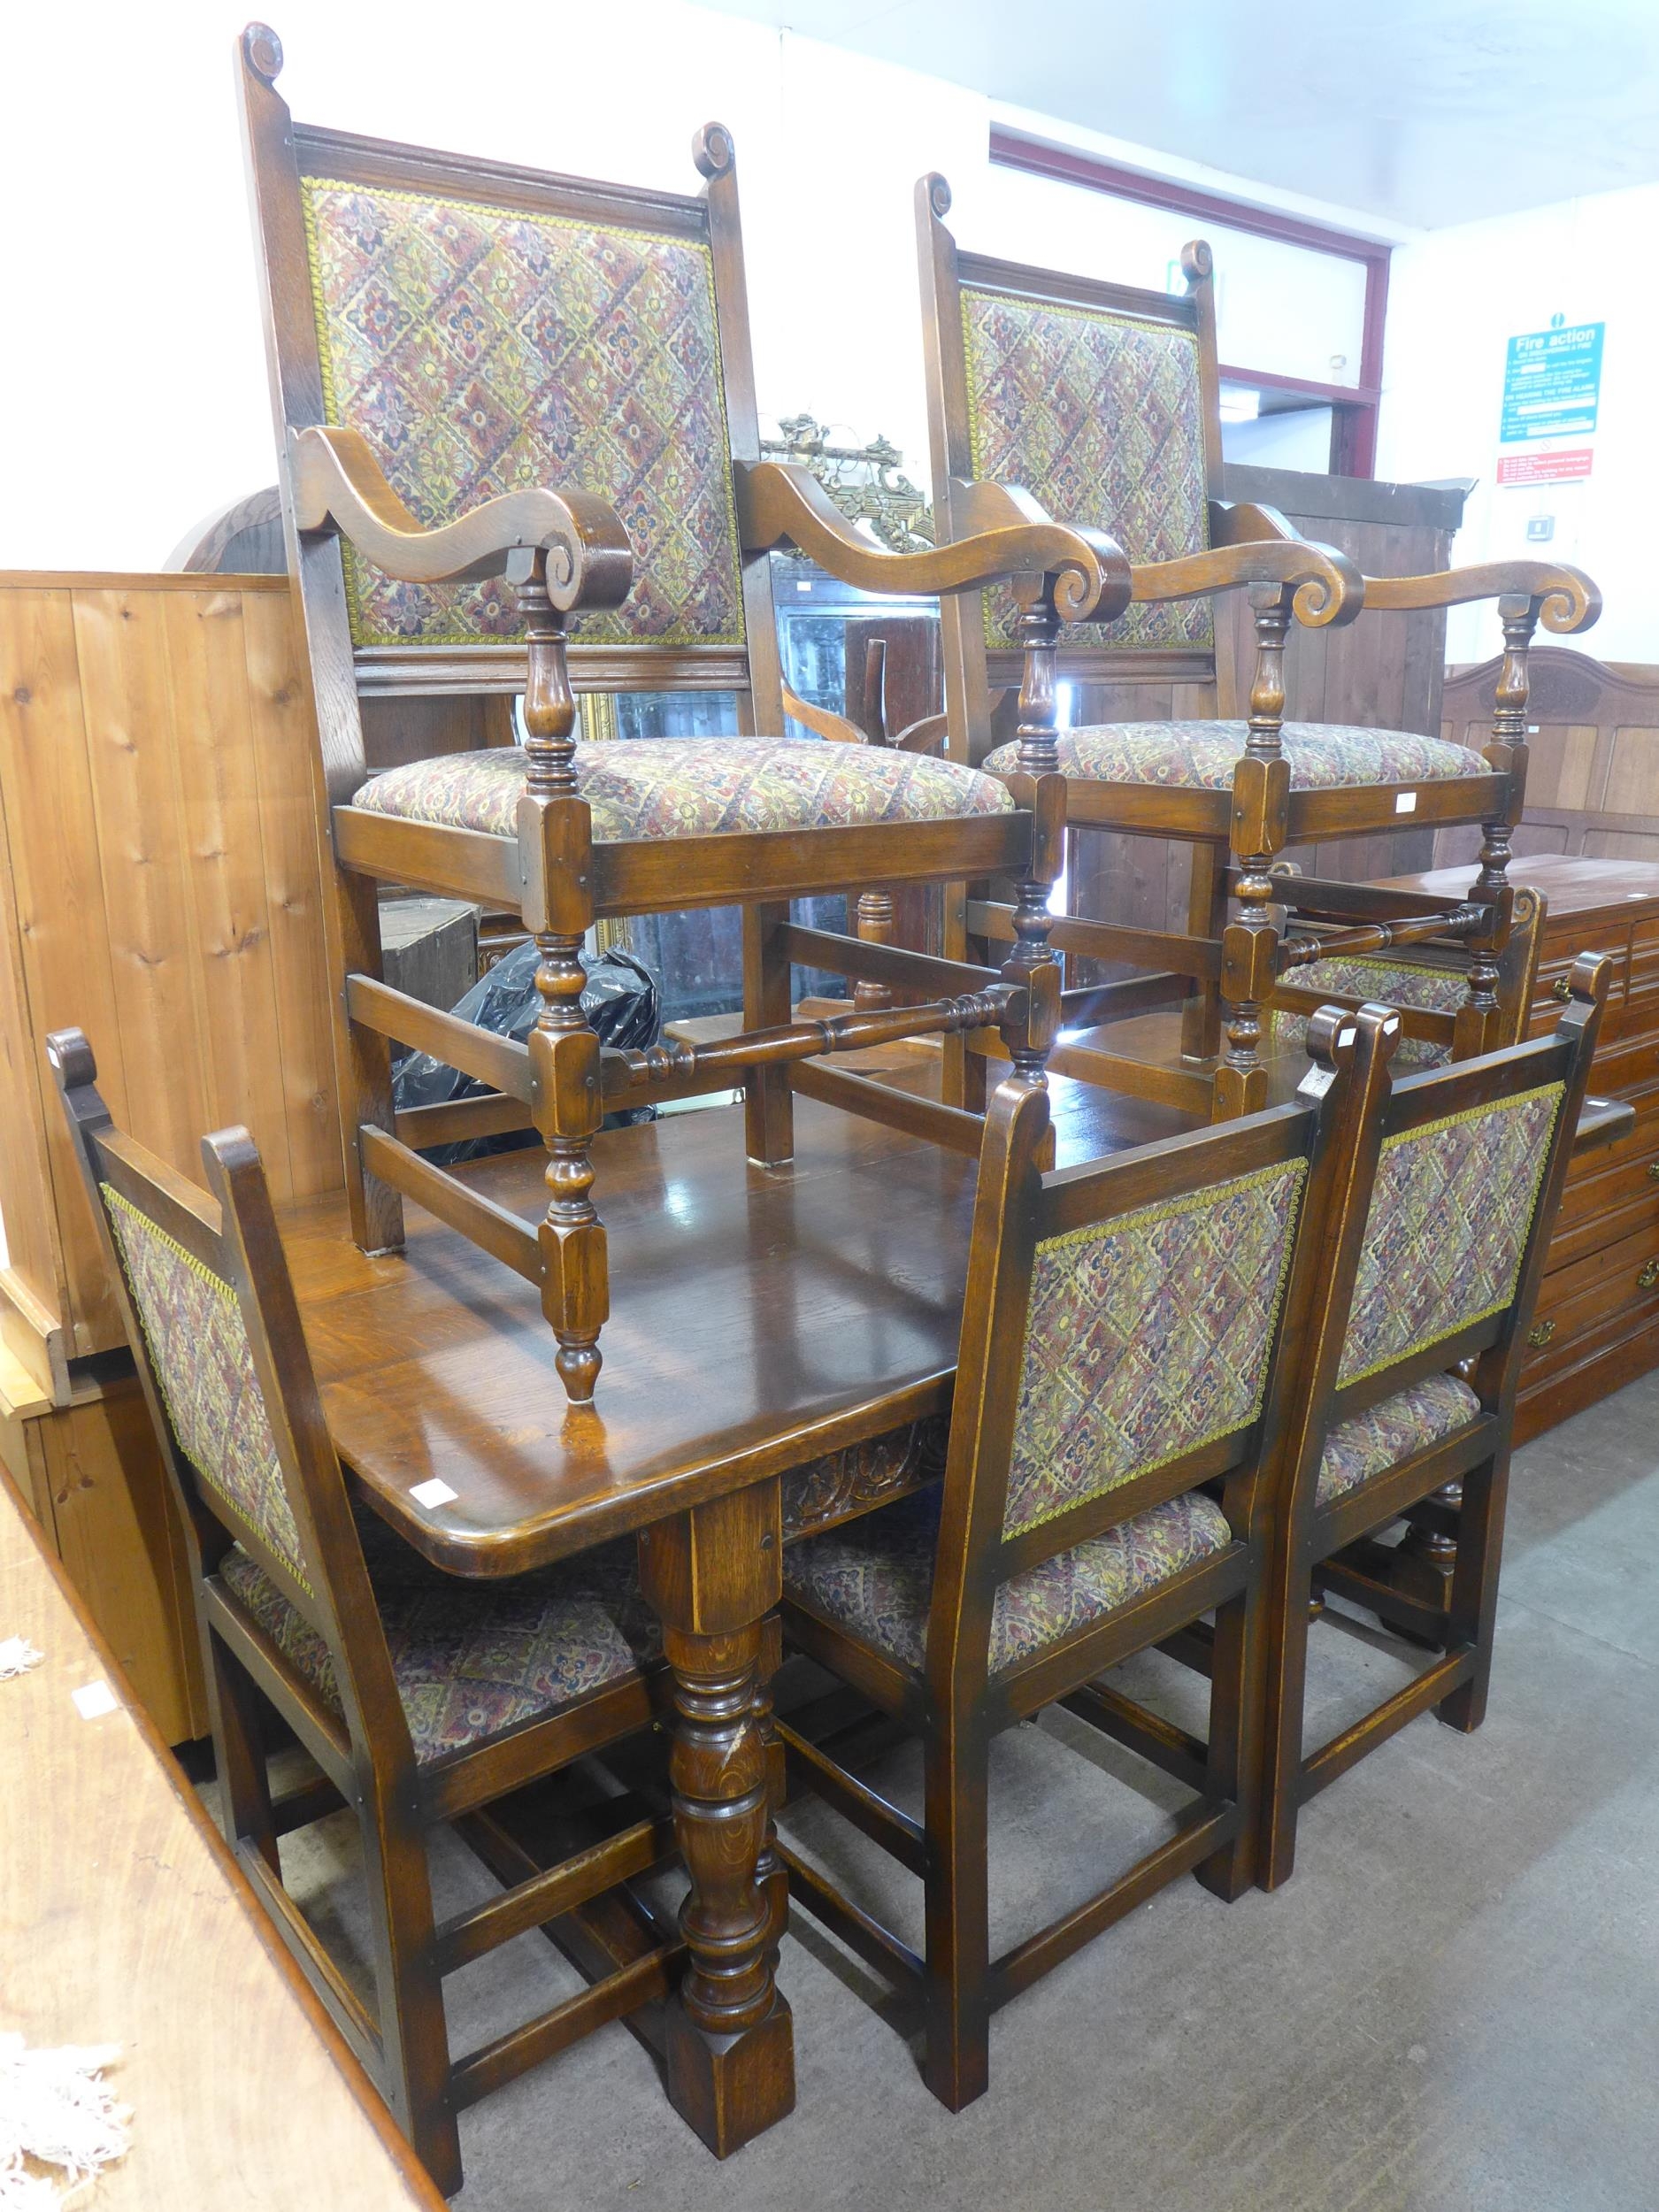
column 768, row 1102
column 1234, row 1766
column 409, row 1990
column 956, row 2065
column 1282, row 1708
column 1474, row 1603
column 244, row 1781
column 1206, row 918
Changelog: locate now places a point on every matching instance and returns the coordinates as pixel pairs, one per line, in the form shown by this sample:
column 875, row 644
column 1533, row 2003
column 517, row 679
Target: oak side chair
column 1103, row 401
column 481, row 371
column 420, row 1700
column 1408, row 1372
column 1122, row 1347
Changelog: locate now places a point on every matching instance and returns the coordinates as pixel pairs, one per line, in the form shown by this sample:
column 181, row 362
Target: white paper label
column 93, row 1700
column 1405, row 801
column 432, row 1492
column 1316, row 1083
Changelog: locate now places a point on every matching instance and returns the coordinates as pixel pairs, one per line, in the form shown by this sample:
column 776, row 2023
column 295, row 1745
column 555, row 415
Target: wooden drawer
column 1605, row 1287
column 1605, row 1209
column 1644, row 957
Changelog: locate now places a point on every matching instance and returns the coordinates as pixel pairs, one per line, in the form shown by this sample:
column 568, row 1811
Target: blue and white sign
column 1552, row 380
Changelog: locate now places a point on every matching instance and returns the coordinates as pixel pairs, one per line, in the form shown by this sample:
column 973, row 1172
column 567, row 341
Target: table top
column 760, row 1318
column 124, row 1920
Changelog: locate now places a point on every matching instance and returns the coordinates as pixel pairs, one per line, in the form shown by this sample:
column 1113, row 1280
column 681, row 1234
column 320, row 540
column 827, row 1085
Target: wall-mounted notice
column 1552, row 380
column 1565, row 465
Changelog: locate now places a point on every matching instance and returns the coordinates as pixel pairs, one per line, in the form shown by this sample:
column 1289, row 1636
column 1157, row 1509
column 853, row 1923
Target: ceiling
column 1422, row 111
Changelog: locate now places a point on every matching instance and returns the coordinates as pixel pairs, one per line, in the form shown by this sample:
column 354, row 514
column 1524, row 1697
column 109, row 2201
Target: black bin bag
column 619, row 999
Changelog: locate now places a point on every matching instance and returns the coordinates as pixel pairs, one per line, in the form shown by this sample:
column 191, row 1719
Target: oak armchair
column 1102, row 400
column 519, row 455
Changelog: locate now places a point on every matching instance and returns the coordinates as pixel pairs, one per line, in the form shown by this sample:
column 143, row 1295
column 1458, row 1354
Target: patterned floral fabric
column 483, row 350
column 1202, row 755
column 1389, row 983
column 1385, row 1434
column 472, row 1663
column 1448, row 1227
column 1100, row 416
column 651, row 788
column 875, row 1576
column 204, row 1370
column 1148, row 1336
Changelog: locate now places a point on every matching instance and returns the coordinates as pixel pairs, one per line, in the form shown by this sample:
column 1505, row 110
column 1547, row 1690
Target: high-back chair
column 1122, row 1345
column 483, row 372
column 420, row 1700
column 1103, row 401
column 1409, row 1368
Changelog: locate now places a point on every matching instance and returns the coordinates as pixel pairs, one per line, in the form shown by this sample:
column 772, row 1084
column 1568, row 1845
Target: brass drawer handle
column 1561, row 989
column 1653, row 1171
column 1540, row 1336
column 1649, row 1276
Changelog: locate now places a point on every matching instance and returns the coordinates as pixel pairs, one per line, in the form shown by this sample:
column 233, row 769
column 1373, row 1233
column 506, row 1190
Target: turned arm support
column 338, row 484
column 1007, row 536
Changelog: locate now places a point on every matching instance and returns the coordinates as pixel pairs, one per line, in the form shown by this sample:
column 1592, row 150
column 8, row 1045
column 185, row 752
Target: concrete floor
column 1453, row 2007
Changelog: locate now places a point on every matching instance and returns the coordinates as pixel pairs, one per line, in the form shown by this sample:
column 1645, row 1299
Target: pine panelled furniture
column 1407, row 1372
column 421, row 1701
column 1103, row 401
column 1597, row 1323
column 158, row 886
column 478, row 371
column 128, row 1921
column 1128, row 1342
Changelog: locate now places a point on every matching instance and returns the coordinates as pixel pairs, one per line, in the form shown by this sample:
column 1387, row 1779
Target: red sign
column 1546, row 468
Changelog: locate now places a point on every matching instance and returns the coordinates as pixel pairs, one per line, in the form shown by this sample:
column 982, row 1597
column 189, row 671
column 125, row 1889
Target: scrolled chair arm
column 1329, row 590
column 1563, row 599
column 1008, row 535
column 337, row 483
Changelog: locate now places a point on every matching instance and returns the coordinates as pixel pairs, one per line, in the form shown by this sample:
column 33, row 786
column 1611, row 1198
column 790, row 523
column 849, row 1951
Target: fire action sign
column 1552, row 383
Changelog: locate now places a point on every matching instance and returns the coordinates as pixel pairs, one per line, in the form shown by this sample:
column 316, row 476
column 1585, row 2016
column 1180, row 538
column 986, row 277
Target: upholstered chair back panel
column 1100, row 416
column 1448, row 1227
column 204, row 1371
column 1394, row 983
column 1148, row 1336
column 484, row 350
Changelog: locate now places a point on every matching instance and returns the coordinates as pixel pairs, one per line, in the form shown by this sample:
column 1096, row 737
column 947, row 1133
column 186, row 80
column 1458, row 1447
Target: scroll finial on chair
column 938, row 191
column 712, row 150
column 1197, row 261
column 263, row 51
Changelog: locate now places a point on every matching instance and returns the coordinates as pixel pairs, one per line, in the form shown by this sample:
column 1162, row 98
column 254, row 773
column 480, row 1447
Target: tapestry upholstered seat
column 875, row 1576
column 657, row 788
column 469, row 1663
column 1373, row 1442
column 1202, row 756
column 1412, row 985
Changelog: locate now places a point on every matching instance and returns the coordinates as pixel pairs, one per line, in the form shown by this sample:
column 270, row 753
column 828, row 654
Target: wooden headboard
column 1593, row 787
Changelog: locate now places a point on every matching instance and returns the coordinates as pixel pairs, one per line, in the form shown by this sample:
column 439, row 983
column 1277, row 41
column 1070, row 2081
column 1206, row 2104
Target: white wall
column 131, row 377
column 1456, row 298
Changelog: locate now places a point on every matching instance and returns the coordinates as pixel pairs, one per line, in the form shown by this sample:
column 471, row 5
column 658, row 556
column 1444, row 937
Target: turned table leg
column 713, row 1574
